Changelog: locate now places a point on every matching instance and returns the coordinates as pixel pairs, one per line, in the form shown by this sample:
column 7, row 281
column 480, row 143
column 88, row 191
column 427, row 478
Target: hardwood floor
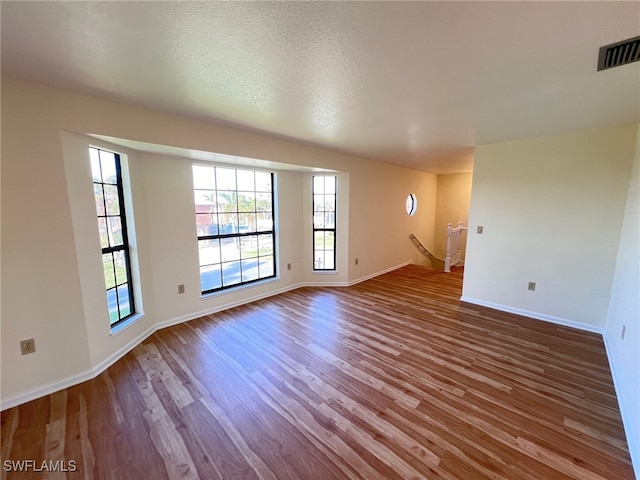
column 392, row 378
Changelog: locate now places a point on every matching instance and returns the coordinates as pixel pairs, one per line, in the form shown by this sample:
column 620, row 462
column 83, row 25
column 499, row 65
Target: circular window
column 411, row 204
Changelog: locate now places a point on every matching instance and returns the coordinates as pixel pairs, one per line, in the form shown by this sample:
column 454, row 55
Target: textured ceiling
column 418, row 84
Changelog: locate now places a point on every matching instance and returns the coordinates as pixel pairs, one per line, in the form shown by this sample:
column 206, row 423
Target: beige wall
column 452, row 206
column 564, row 211
column 552, row 211
column 383, row 193
column 624, row 313
column 52, row 289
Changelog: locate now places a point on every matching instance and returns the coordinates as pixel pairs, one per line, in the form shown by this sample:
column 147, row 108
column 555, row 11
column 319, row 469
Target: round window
column 411, row 204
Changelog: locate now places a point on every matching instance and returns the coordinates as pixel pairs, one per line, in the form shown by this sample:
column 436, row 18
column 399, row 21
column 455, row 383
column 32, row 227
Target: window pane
column 209, row 251
column 226, row 179
column 115, row 231
column 108, row 163
column 246, row 202
column 329, row 240
column 231, row 273
column 204, row 177
column 330, row 185
column 104, row 235
column 109, row 270
column 205, row 200
column 330, row 220
column 263, row 202
column 228, row 223
column 263, row 182
column 318, row 184
column 248, row 222
column 330, row 203
column 324, row 260
column 318, row 240
column 250, row 270
column 227, row 202
column 329, row 260
column 95, row 165
column 97, row 190
column 264, row 222
column 230, row 249
column 207, row 224
column 112, row 303
column 318, row 220
column 265, row 245
column 246, row 181
column 120, row 266
column 249, row 247
column 123, row 300
column 267, row 267
column 111, row 199
column 210, row 277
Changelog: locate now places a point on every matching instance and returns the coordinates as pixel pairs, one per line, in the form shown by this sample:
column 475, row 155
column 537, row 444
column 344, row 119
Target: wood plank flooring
column 392, row 378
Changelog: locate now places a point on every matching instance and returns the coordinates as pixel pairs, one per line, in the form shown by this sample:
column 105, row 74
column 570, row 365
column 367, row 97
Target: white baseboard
column 67, row 382
column 538, row 316
column 225, row 306
column 48, row 389
column 356, row 281
column 324, row 284
column 121, row 352
column 633, row 438
column 377, row 274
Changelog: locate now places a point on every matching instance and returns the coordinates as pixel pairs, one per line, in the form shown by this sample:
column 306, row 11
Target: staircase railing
column 422, row 248
column 454, row 255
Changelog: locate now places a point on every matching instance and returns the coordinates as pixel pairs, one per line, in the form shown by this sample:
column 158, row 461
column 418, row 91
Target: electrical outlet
column 624, row 329
column 28, row 346
column 356, row 261
column 479, row 230
column 288, row 266
column 181, row 288
column 532, row 286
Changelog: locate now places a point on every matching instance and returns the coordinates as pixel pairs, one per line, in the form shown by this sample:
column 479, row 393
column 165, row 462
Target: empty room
column 320, row 240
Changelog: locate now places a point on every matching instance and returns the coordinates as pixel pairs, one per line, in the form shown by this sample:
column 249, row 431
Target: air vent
column 621, row 53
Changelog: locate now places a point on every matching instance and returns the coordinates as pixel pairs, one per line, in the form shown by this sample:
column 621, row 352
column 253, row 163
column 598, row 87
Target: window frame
column 324, row 229
column 413, row 206
column 124, row 247
column 239, row 234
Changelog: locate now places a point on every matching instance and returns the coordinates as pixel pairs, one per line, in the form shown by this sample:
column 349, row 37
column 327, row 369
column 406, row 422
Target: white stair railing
column 453, row 246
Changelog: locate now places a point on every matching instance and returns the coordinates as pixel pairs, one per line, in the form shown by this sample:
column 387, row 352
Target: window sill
column 325, row 272
column 127, row 323
column 231, row 290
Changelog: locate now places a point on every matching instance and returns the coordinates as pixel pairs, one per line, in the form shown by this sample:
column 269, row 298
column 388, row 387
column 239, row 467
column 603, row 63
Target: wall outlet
column 532, row 286
column 288, row 266
column 27, row 346
column 356, row 261
column 624, row 329
column 181, row 288
column 479, row 229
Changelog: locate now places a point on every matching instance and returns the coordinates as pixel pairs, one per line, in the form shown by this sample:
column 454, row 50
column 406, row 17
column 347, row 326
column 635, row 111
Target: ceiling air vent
column 621, row 53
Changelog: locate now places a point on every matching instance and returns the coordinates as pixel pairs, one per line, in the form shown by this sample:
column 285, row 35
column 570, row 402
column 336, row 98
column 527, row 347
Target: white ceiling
column 418, row 83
